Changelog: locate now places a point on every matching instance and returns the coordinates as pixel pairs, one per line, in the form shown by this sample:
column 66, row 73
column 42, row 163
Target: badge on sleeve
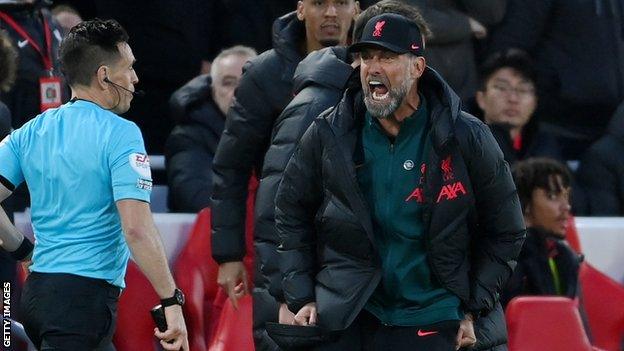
column 50, row 92
column 140, row 164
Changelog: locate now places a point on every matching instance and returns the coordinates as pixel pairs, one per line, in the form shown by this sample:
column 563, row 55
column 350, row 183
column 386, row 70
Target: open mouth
column 378, row 90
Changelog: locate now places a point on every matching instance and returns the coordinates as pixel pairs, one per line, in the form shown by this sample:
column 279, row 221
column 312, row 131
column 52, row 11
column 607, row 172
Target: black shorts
column 69, row 312
column 367, row 333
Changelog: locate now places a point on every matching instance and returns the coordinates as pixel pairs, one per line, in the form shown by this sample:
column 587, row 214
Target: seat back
column 234, row 331
column 603, row 302
column 195, row 273
column 545, row 323
column 135, row 327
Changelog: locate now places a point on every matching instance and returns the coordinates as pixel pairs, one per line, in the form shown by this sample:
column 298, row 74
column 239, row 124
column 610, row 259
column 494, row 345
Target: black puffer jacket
column 191, row 146
column 601, row 172
column 327, row 251
column 264, row 91
column 319, row 81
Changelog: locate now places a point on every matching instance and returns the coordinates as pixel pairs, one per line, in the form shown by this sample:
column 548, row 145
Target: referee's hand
column 175, row 337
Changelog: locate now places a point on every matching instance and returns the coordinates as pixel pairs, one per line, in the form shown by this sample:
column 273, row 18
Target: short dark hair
column 411, row 12
column 89, row 45
column 539, row 172
column 515, row 59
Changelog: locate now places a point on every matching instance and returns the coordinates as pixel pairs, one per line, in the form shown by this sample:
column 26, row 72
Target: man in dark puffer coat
column 330, row 253
column 264, row 91
column 199, row 109
column 318, row 82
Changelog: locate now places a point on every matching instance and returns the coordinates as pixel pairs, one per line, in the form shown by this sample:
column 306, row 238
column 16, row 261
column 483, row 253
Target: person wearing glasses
column 507, row 98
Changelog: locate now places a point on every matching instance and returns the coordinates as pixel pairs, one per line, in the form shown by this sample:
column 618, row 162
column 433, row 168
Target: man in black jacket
column 265, row 89
column 199, row 108
column 577, row 45
column 546, row 265
column 398, row 218
column 508, row 100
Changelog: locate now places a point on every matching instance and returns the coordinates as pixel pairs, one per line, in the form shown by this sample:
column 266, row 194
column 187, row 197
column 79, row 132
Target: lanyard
column 45, row 57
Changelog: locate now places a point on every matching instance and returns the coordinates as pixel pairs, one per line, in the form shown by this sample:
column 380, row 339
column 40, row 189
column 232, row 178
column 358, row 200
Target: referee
column 90, row 184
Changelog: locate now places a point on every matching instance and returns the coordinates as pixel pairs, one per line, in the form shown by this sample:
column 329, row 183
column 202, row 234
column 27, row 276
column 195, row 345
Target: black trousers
column 69, row 312
column 366, row 333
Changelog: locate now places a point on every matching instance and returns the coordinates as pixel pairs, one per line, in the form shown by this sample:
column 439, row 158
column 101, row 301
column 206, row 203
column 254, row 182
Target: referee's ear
column 101, row 76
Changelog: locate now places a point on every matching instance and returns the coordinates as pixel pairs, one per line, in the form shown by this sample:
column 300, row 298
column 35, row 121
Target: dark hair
column 390, row 6
column 539, row 172
column 8, row 57
column 89, row 45
column 515, row 59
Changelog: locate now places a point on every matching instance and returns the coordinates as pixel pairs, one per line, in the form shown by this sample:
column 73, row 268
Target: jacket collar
column 444, row 106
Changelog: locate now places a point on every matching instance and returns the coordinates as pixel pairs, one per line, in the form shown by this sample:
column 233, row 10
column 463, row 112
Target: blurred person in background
column 36, row 35
column 507, row 98
column 199, row 108
column 601, row 171
column 546, row 265
column 265, row 89
column 457, row 25
column 90, row 198
column 172, row 41
column 577, row 46
column 39, row 84
column 8, row 72
column 66, row 16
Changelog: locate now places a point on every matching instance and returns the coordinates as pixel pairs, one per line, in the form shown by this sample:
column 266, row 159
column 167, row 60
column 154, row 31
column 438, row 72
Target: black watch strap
column 176, row 299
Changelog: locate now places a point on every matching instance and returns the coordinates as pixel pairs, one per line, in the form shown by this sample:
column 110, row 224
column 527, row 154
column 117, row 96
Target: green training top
column 390, row 179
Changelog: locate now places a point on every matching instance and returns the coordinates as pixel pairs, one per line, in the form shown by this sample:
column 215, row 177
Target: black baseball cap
column 392, row 32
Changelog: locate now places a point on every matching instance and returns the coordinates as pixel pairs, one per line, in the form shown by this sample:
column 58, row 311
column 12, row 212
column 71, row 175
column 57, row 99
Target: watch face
column 179, row 297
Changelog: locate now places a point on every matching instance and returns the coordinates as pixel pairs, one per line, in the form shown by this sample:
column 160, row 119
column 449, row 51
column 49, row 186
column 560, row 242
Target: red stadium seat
column 572, row 236
column 234, row 329
column 545, row 323
column 603, row 301
column 196, row 274
column 135, row 328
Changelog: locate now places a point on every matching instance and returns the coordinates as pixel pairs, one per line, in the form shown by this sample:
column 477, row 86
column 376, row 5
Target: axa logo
column 417, row 195
column 378, row 28
column 447, row 169
column 451, row 191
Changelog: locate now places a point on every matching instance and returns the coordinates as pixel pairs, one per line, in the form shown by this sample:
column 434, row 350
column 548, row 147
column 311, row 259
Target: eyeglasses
column 521, row 91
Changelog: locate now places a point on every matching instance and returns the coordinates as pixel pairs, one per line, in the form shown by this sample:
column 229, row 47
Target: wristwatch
column 176, row 299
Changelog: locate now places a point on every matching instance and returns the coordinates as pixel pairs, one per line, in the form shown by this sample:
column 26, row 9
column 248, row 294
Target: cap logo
column 378, row 28
column 415, row 47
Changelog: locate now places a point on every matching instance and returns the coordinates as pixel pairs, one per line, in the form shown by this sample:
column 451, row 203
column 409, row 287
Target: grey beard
column 396, row 97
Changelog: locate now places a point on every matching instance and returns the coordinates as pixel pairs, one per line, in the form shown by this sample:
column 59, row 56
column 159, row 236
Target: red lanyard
column 47, row 59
